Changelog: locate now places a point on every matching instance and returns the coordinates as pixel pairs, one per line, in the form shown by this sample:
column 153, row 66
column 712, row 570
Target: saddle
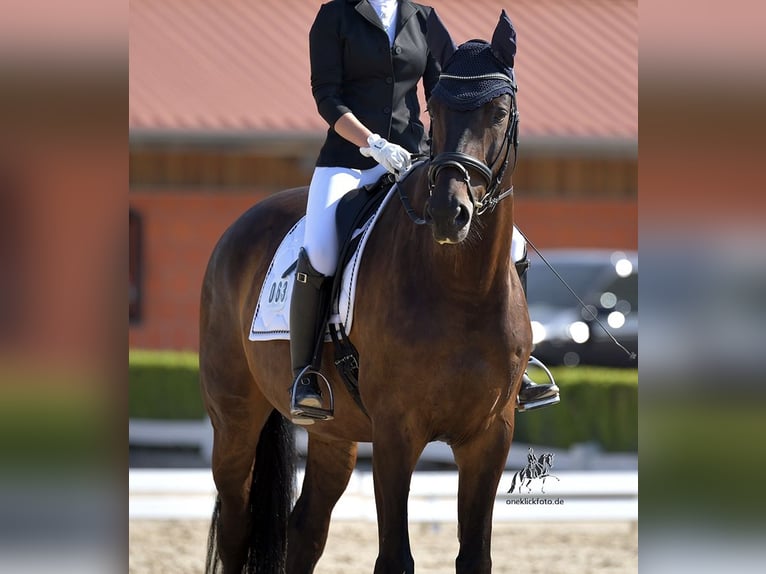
column 354, row 210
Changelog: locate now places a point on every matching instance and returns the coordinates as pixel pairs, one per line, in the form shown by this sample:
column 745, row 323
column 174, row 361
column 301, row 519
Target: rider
column 367, row 57
column 531, row 395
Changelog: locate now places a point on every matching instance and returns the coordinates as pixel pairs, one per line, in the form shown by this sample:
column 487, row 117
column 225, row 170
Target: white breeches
column 328, row 185
column 518, row 246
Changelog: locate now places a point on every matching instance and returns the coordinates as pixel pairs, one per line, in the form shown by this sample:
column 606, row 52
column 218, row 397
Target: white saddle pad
column 271, row 319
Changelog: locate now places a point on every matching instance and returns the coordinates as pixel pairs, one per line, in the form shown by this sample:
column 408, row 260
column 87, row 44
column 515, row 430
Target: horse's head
column 474, row 123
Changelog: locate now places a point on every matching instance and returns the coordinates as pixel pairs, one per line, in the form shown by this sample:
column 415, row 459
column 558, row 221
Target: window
column 134, row 266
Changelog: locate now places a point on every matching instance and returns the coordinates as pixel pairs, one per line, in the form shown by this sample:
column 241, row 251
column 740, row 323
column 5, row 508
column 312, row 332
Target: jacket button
column 389, row 80
column 398, row 50
column 386, row 110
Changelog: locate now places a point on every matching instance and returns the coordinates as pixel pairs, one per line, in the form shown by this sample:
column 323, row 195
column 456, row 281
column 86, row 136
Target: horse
column 535, row 469
column 443, row 336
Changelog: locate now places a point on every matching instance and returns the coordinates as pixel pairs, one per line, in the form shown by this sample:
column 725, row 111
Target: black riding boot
column 308, row 316
column 533, row 395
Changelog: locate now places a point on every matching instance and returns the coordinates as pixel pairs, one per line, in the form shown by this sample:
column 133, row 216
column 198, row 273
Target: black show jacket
column 354, row 69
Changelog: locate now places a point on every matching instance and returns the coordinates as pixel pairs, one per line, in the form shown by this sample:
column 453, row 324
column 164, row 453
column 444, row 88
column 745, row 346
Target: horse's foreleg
column 328, row 469
column 480, row 461
column 546, row 477
column 396, row 450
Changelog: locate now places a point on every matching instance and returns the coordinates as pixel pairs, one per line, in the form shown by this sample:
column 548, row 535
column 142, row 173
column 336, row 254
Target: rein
column 404, row 198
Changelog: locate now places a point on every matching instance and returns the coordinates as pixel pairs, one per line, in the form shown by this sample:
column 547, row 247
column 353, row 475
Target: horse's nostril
column 463, row 217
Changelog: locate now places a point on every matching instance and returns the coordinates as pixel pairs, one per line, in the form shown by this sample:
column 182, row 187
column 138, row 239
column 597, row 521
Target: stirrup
column 304, row 415
column 522, row 408
column 547, row 401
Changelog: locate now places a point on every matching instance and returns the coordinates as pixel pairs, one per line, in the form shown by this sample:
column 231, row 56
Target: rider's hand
column 391, row 156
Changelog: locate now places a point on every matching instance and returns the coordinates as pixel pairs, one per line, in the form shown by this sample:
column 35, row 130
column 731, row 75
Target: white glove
column 391, row 156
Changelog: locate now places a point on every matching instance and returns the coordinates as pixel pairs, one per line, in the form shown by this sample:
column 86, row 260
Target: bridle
column 464, row 162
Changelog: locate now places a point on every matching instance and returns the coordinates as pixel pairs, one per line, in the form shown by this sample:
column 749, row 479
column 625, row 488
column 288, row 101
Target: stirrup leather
column 532, row 405
column 315, row 413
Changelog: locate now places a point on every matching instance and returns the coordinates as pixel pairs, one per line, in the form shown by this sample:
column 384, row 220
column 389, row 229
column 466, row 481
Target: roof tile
column 243, row 65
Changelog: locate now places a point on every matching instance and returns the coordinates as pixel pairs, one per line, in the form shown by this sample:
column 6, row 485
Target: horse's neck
column 480, row 265
column 477, row 269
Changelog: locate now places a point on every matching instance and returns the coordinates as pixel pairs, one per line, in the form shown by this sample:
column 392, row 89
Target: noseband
column 464, row 162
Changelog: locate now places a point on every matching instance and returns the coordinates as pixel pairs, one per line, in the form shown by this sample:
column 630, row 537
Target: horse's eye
column 500, row 115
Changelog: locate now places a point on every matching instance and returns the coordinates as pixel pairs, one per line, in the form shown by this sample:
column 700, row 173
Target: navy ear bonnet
column 473, row 76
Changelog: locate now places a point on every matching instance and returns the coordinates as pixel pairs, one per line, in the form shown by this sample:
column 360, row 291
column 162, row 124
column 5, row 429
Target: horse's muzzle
column 449, row 220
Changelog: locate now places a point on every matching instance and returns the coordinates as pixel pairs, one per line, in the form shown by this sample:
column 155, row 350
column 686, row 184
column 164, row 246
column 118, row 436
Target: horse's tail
column 513, row 482
column 212, row 562
column 271, row 500
column 271, row 496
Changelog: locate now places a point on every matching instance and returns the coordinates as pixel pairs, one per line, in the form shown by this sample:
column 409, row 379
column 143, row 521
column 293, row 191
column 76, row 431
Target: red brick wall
column 598, row 223
column 179, row 230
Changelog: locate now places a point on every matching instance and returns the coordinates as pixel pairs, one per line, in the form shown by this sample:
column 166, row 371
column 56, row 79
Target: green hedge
column 164, row 385
column 597, row 404
column 55, row 427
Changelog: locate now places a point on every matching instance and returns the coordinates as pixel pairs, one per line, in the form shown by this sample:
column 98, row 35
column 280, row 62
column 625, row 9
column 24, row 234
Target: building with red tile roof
column 221, row 115
column 240, row 68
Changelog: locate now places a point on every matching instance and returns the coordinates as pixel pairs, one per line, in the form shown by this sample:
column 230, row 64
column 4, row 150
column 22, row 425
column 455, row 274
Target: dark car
column 565, row 333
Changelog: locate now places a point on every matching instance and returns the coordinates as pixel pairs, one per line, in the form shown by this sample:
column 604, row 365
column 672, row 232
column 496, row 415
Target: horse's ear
column 438, row 39
column 504, row 40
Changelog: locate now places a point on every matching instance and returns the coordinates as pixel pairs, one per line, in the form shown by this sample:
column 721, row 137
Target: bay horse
column 443, row 336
